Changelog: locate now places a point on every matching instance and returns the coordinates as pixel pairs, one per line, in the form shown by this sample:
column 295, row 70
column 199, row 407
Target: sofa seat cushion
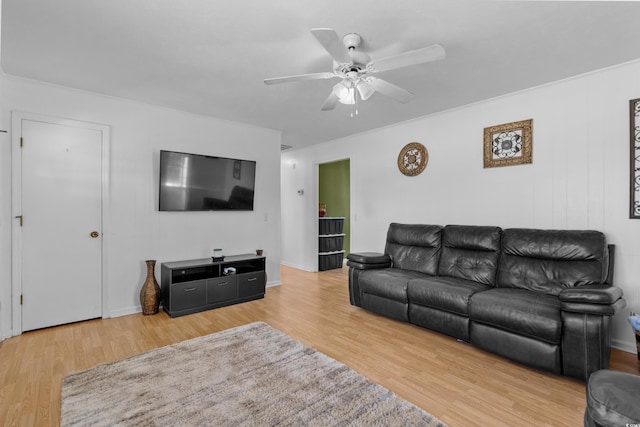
column 532, row 314
column 388, row 283
column 444, row 293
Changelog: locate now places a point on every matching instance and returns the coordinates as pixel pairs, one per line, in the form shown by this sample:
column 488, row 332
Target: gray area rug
column 249, row 375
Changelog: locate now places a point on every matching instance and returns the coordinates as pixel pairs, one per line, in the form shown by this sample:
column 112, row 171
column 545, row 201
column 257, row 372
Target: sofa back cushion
column 470, row 252
column 414, row 247
column 549, row 261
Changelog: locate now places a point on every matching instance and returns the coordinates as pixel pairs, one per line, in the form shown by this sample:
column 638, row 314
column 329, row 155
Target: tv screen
column 193, row 182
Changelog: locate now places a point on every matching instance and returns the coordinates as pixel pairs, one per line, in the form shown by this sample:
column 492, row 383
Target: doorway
column 60, row 188
column 334, row 191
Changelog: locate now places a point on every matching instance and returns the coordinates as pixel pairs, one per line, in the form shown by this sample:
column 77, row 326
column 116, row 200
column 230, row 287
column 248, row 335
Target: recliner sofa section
column 540, row 297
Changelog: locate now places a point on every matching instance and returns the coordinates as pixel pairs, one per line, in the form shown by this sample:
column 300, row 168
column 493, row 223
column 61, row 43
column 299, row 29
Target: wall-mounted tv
column 194, row 182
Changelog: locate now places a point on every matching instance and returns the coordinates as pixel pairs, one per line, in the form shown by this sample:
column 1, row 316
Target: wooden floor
column 459, row 384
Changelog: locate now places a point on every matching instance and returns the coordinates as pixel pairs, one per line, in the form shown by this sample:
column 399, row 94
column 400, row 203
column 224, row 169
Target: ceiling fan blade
column 413, row 57
column 331, row 102
column 390, row 90
column 332, row 44
column 299, row 78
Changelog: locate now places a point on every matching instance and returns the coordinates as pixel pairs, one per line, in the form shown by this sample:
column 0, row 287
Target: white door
column 61, row 233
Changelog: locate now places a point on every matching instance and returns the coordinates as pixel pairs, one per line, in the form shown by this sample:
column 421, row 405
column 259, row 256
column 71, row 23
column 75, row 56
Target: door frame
column 16, row 206
column 316, row 200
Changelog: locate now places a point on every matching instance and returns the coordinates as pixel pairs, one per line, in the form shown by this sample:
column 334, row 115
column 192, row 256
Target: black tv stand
column 201, row 284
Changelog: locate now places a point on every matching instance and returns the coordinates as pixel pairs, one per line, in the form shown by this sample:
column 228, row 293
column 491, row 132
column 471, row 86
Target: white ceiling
column 210, row 57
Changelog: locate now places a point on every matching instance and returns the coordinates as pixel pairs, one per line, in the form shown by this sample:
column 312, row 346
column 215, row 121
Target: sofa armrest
column 594, row 294
column 592, row 299
column 368, row 260
column 358, row 264
column 587, row 313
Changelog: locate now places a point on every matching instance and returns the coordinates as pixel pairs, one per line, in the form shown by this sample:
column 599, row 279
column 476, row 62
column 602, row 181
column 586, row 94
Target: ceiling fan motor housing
column 352, row 40
column 359, row 59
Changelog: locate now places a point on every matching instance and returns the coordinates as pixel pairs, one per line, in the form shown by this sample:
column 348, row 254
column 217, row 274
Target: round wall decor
column 413, row 159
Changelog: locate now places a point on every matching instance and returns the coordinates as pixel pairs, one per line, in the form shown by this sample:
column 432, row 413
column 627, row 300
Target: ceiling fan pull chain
column 355, row 97
column 354, row 107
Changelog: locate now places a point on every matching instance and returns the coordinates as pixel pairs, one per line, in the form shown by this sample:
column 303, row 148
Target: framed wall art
column 508, row 144
column 634, row 168
column 413, row 158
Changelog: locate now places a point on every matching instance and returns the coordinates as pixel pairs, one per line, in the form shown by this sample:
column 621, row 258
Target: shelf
column 330, row 225
column 330, row 260
column 191, row 263
column 189, row 274
column 331, row 243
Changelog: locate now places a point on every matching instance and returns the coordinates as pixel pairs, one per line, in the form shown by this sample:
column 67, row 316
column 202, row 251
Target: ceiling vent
column 285, row 147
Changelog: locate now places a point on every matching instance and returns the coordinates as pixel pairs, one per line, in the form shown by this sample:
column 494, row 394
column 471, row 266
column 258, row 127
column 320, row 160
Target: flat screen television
column 194, row 182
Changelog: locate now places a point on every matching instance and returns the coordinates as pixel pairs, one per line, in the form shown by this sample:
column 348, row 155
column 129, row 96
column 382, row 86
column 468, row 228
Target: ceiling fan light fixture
column 345, row 92
column 365, row 90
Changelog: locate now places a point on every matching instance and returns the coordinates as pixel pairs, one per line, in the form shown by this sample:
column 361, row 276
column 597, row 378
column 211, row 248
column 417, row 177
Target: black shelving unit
column 330, row 243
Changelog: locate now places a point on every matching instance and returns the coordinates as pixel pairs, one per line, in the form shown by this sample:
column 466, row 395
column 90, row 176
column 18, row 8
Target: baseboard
column 125, row 311
column 299, row 267
column 628, row 346
column 274, row 283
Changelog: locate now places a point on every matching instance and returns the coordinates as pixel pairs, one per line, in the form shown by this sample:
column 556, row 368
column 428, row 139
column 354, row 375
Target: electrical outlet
column 631, row 313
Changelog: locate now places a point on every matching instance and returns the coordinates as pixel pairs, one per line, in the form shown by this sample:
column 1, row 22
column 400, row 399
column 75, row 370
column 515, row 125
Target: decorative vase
column 322, row 210
column 150, row 293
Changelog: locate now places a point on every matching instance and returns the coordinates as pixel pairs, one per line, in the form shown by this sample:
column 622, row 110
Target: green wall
column 334, row 183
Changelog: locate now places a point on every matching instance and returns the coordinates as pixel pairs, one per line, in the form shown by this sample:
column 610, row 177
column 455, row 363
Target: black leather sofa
column 543, row 298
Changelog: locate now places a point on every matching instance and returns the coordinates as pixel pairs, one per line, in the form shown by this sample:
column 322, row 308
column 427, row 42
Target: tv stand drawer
column 251, row 283
column 222, row 289
column 188, row 294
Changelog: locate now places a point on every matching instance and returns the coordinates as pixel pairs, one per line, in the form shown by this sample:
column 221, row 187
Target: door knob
column 94, row 234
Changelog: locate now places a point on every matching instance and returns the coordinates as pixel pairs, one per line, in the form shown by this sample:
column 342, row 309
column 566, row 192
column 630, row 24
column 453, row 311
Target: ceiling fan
column 355, row 68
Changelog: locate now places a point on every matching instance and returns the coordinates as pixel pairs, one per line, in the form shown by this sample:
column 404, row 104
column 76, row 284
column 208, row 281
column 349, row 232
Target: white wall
column 579, row 178
column 137, row 231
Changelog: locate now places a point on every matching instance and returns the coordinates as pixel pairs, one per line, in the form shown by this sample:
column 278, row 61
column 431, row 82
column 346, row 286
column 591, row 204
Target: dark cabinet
column 202, row 284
